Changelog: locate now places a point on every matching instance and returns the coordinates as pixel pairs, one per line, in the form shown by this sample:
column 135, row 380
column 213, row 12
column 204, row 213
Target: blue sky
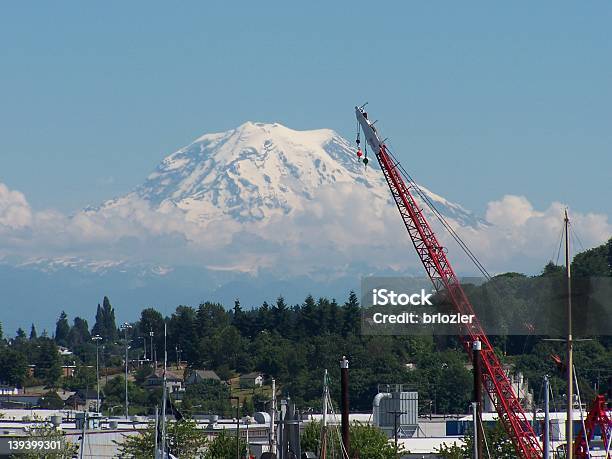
column 480, row 99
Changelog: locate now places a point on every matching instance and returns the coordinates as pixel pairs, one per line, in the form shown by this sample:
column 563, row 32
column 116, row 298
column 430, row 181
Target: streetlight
column 247, row 420
column 234, row 397
column 144, row 343
column 151, row 335
column 179, row 351
column 97, row 339
column 125, row 327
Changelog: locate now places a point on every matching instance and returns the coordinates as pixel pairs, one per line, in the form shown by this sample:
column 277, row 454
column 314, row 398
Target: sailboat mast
column 164, row 395
column 569, row 428
column 323, row 452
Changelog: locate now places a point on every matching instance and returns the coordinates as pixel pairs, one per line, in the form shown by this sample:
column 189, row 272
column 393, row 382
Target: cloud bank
column 342, row 230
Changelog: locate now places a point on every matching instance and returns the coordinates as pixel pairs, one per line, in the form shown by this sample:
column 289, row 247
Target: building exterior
column 197, row 376
column 84, row 400
column 174, row 380
column 249, row 380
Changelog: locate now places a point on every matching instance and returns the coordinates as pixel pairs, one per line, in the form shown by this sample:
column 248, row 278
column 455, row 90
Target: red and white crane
column 444, row 279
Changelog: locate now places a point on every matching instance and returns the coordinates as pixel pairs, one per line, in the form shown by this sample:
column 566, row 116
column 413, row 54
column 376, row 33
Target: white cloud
column 341, row 229
column 15, row 211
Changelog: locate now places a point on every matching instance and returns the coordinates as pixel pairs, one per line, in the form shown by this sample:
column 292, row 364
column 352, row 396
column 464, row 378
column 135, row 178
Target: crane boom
column 444, row 279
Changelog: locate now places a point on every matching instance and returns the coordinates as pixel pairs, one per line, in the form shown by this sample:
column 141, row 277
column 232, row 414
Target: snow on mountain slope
column 258, row 171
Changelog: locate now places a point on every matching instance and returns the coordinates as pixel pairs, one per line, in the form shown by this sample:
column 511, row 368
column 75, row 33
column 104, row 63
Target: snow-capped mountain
column 260, row 170
column 255, row 212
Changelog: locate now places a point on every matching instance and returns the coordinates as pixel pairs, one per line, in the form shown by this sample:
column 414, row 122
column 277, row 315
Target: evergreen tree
column 309, row 322
column 13, row 367
column 280, row 316
column 20, row 336
column 1, row 332
column 47, row 361
column 79, row 333
column 352, row 315
column 62, row 330
column 33, row 334
column 239, row 319
column 552, row 269
column 105, row 325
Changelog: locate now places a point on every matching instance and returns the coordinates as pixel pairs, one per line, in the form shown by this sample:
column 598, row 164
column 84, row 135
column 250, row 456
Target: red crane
column 597, row 417
column 444, row 279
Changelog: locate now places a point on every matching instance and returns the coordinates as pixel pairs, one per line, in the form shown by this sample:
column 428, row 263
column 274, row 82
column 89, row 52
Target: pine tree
column 352, row 315
column 239, row 318
column 280, row 315
column 79, row 333
column 109, row 319
column 33, row 334
column 105, row 325
column 62, row 330
column 20, row 335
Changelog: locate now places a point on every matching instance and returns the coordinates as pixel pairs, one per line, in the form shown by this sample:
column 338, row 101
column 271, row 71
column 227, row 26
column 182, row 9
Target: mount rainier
column 254, row 212
column 258, row 171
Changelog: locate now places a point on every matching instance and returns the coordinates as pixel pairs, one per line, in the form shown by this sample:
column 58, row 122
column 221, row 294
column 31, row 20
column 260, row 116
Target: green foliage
column 51, row 401
column 47, row 360
column 498, row 442
column 368, row 441
column 46, row 432
column 62, row 329
column 594, row 262
column 84, row 377
column 224, row 446
column 13, row 367
column 114, row 393
column 185, row 440
column 33, row 334
column 105, row 325
column 207, row 397
column 79, row 334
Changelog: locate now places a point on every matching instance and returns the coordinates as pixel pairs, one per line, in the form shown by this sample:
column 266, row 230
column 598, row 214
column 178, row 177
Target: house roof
column 89, row 394
column 170, row 375
column 252, row 375
column 206, row 374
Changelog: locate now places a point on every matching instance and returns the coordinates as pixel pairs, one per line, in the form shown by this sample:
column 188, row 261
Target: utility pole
column 151, row 334
column 346, row 440
column 97, row 340
column 323, row 452
column 125, row 327
column 546, row 418
column 396, row 415
column 234, row 397
column 475, row 425
column 476, row 348
column 569, row 427
column 164, row 402
column 272, row 421
column 156, row 432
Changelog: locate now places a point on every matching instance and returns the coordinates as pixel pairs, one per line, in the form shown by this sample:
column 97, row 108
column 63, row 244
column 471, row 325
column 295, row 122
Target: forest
column 294, row 344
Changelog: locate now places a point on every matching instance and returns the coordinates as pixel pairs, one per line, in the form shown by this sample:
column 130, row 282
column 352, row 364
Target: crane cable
column 439, row 216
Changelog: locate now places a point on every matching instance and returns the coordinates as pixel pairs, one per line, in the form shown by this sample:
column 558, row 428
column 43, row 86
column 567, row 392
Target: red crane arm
column 444, row 279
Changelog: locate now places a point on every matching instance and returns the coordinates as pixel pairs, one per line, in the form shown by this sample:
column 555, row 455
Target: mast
column 546, row 417
column 569, row 427
column 156, row 432
column 272, row 420
column 164, row 395
column 323, row 452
